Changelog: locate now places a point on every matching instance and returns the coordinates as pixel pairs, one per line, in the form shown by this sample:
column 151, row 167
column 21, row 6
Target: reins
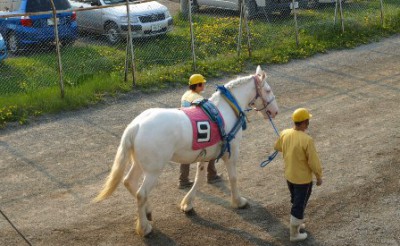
column 272, row 156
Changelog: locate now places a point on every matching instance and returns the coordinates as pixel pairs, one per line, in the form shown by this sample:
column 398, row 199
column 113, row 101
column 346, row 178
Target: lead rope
column 273, row 155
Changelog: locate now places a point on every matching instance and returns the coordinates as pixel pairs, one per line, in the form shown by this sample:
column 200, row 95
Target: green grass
column 30, row 82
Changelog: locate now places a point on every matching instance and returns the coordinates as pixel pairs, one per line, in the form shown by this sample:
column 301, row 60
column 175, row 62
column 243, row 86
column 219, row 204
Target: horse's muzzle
column 272, row 115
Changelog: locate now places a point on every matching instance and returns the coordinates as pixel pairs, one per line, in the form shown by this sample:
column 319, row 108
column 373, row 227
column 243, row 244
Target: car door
column 225, row 4
column 95, row 17
column 89, row 20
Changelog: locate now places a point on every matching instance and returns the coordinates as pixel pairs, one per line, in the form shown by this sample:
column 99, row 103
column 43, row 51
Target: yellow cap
column 196, row 79
column 301, row 114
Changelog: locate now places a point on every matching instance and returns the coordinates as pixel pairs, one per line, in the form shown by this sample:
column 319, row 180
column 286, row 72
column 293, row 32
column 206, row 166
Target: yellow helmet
column 301, row 114
column 196, row 79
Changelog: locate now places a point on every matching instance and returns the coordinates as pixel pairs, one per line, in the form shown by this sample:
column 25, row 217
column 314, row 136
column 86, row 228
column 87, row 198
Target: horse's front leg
column 187, row 201
column 237, row 200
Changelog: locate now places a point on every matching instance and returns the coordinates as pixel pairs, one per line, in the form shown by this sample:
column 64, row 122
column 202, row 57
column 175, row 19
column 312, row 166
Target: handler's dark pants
column 299, row 195
column 185, row 169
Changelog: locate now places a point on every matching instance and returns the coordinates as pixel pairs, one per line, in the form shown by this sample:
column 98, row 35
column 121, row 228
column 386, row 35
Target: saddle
column 207, row 124
column 213, row 114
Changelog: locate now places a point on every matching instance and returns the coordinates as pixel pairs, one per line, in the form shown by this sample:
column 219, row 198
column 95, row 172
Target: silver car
column 253, row 7
column 147, row 19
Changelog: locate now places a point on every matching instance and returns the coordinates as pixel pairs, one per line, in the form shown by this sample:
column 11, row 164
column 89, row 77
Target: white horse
column 160, row 135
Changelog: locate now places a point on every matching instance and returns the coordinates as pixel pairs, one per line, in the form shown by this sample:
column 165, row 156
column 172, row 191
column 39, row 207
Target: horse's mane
column 237, row 82
column 232, row 84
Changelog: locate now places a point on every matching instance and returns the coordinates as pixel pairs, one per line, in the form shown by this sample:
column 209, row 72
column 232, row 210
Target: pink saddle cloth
column 205, row 132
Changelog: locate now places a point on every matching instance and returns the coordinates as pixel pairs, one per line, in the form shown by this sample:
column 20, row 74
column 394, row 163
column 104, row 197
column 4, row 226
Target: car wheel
column 251, row 8
column 12, row 42
column 112, row 33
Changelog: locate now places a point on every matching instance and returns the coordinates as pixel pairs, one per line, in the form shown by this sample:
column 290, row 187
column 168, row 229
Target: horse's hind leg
column 131, row 182
column 187, row 202
column 143, row 226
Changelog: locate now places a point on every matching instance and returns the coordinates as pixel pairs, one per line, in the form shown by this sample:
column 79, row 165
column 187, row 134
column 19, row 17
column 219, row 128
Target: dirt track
column 52, row 169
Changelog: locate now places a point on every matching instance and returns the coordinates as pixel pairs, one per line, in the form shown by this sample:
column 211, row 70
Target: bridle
column 257, row 83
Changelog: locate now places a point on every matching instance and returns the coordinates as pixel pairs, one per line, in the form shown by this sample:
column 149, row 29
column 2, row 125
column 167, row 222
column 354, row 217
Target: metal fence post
column 381, row 12
column 335, row 16
column 239, row 42
column 192, row 35
column 184, row 6
column 129, row 47
column 60, row 72
column 295, row 23
column 246, row 22
column 341, row 14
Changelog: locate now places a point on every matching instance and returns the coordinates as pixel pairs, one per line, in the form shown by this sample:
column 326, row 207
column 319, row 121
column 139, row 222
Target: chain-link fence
column 95, row 39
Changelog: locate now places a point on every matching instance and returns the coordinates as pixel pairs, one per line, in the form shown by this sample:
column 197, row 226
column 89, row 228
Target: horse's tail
column 122, row 158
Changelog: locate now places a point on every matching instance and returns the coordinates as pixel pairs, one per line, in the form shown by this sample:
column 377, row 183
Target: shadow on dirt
column 255, row 214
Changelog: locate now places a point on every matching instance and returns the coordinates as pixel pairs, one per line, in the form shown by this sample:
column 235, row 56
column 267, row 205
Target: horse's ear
column 265, row 75
column 259, row 71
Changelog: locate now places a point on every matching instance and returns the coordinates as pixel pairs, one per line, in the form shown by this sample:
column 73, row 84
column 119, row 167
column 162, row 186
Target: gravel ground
column 51, row 169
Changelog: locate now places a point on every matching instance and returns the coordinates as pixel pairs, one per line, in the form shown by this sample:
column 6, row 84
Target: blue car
column 23, row 31
column 3, row 48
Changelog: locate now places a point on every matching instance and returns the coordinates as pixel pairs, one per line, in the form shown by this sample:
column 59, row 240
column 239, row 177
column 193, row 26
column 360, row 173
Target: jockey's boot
column 212, row 175
column 214, row 179
column 184, row 185
column 184, row 181
column 295, row 234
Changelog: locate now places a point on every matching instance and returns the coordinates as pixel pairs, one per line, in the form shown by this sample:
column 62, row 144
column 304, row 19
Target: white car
column 147, row 19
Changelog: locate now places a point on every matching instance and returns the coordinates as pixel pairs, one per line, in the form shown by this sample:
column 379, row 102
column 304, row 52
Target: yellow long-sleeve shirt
column 189, row 97
column 300, row 156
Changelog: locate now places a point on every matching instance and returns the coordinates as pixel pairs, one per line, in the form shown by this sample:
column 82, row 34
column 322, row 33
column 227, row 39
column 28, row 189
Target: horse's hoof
column 149, row 234
column 146, row 231
column 246, row 205
column 190, row 212
column 149, row 216
column 186, row 208
column 241, row 203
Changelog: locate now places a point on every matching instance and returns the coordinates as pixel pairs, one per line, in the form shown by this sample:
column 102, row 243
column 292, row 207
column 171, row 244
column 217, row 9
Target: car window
column 45, row 5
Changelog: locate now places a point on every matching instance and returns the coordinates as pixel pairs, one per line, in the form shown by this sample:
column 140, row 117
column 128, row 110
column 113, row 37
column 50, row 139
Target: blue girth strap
column 227, row 95
column 240, row 123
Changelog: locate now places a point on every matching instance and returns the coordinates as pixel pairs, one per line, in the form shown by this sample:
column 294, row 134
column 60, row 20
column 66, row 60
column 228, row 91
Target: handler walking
column 301, row 162
column 196, row 86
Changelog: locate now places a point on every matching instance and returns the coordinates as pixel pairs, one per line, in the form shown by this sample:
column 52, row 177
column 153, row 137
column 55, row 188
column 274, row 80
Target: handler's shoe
column 184, row 185
column 295, row 234
column 215, row 179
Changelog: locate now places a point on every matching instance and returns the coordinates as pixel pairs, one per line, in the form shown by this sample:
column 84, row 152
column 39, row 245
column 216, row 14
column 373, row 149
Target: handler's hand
column 319, row 182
